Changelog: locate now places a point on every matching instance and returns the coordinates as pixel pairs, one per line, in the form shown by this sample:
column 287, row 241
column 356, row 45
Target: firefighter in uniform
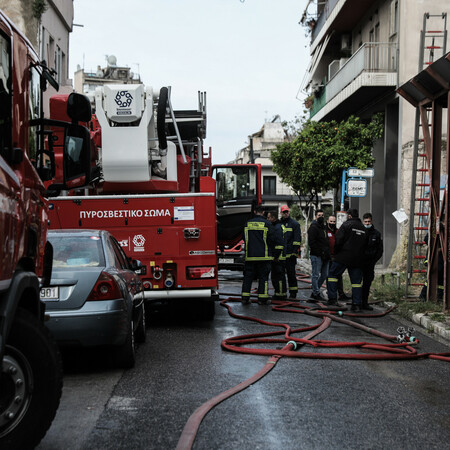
column 278, row 271
column 349, row 248
column 293, row 239
column 260, row 242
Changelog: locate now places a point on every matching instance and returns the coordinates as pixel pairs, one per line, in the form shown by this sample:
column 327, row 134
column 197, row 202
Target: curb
column 436, row 327
column 425, row 322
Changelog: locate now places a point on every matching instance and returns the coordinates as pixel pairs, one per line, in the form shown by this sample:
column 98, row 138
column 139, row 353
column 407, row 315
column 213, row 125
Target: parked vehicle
column 31, row 372
column 95, row 297
column 232, row 257
column 156, row 191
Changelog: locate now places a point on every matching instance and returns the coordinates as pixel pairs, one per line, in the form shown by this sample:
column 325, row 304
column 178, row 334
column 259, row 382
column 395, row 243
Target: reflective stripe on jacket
column 260, row 240
column 292, row 236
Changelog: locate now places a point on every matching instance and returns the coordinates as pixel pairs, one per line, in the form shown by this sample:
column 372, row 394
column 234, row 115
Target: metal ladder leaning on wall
column 432, row 46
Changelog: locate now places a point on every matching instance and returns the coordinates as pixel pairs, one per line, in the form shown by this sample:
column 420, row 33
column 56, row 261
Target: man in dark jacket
column 373, row 253
column 278, row 270
column 293, row 239
column 261, row 247
column 331, row 232
column 319, row 253
column 349, row 248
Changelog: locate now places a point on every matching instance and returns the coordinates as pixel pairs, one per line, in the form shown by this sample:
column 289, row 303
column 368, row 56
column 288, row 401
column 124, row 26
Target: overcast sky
column 250, row 57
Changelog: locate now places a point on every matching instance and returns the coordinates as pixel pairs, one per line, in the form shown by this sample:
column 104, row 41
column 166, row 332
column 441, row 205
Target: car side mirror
column 138, row 267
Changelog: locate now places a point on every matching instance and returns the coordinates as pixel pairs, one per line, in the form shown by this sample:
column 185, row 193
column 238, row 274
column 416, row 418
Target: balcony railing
column 319, row 102
column 323, row 18
column 370, row 57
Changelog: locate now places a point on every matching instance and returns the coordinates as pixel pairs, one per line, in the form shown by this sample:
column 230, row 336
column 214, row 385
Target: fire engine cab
column 152, row 186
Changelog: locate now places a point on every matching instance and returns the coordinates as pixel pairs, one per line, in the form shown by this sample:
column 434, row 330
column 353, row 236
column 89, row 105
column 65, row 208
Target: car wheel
column 30, row 383
column 126, row 353
column 141, row 330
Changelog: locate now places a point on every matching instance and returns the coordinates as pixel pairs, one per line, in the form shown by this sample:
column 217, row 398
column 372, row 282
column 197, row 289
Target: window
column 76, row 251
column 58, row 64
column 120, row 255
column 35, row 110
column 235, row 183
column 269, row 185
column 393, row 18
column 5, row 98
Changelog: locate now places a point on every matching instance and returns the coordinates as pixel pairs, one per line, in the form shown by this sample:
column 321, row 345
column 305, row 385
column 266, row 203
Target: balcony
column 373, row 66
column 340, row 16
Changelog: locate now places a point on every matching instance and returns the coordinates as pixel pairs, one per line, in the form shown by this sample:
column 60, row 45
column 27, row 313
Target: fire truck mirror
column 77, row 156
column 79, row 108
column 49, row 77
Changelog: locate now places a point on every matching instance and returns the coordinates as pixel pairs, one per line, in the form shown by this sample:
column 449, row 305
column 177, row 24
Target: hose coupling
column 294, row 344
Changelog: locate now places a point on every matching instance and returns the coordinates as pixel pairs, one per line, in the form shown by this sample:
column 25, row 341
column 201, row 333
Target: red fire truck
column 31, row 377
column 154, row 189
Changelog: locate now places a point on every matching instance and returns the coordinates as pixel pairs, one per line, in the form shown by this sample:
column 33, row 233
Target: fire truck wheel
column 141, row 330
column 30, row 383
column 125, row 354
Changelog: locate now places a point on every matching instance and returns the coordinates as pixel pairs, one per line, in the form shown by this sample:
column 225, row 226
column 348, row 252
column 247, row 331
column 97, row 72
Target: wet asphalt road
column 300, row 404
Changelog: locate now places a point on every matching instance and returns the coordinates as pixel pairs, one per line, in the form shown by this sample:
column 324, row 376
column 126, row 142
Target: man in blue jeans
column 319, row 253
column 349, row 248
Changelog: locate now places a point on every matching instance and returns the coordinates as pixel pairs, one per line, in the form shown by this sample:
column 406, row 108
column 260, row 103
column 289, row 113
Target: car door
column 131, row 279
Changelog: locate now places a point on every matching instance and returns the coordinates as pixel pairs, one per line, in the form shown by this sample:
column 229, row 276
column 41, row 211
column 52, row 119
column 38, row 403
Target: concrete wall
column 19, row 11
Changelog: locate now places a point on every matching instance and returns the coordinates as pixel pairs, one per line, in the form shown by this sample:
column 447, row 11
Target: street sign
column 356, row 187
column 367, row 173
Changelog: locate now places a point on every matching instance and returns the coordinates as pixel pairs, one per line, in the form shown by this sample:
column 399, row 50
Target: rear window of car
column 70, row 252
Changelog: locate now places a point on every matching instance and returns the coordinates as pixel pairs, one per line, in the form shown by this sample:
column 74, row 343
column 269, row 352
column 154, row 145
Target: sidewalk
column 441, row 329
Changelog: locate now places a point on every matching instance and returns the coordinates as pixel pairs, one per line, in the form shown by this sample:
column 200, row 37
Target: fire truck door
column 238, row 191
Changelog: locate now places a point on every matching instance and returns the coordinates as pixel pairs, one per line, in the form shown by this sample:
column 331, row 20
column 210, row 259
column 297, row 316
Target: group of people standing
column 356, row 247
column 272, row 246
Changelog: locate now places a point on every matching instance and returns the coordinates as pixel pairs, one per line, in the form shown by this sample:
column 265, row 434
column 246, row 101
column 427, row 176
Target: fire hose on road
column 398, row 348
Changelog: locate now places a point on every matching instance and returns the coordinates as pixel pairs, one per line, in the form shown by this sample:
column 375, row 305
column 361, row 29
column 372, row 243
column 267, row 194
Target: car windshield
column 76, row 251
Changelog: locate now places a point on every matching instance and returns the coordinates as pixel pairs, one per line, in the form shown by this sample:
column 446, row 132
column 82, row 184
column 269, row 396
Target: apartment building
column 86, row 82
column 47, row 25
column 275, row 193
column 361, row 52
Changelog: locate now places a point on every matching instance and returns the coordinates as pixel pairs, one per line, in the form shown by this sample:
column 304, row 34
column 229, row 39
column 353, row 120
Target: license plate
column 50, row 293
column 226, row 260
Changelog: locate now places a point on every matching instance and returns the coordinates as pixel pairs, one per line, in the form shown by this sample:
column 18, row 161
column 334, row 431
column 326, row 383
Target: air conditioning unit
column 346, row 42
column 333, row 68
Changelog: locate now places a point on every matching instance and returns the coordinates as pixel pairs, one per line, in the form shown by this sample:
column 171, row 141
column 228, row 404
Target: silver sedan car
column 95, row 296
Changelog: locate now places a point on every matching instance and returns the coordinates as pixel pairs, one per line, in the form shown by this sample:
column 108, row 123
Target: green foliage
column 313, row 162
column 39, row 7
column 295, row 212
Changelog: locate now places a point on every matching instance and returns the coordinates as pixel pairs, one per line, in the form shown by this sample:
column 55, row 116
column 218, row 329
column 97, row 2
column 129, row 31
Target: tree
column 313, row 162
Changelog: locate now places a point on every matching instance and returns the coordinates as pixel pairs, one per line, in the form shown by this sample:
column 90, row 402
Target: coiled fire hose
column 388, row 351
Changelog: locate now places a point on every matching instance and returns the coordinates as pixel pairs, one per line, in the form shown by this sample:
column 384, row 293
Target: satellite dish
column 112, row 60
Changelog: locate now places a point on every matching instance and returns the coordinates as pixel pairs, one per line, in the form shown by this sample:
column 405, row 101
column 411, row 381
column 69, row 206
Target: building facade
column 275, row 193
column 85, row 82
column 361, row 52
column 47, row 25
